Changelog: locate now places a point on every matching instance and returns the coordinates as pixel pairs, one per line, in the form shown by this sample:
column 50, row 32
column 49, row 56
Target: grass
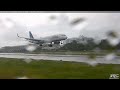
column 45, row 69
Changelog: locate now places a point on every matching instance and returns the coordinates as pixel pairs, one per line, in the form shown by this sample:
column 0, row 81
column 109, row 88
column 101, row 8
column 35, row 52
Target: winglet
column 17, row 35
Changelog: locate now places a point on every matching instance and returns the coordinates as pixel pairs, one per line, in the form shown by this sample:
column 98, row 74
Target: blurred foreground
column 19, row 69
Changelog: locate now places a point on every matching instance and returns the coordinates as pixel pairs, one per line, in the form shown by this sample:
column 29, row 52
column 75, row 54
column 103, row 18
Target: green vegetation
column 45, row 69
column 88, row 48
column 74, row 46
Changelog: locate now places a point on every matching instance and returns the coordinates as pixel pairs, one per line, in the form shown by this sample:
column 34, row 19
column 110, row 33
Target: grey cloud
column 97, row 25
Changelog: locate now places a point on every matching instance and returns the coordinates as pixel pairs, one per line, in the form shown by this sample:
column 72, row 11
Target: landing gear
column 61, row 43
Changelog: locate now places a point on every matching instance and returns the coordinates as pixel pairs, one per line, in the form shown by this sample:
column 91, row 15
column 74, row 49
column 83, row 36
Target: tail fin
column 31, row 36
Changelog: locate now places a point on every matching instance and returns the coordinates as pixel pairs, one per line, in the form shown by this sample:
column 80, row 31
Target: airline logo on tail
column 31, row 36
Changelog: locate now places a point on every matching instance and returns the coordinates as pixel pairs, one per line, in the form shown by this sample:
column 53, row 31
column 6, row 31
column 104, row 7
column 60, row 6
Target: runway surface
column 75, row 58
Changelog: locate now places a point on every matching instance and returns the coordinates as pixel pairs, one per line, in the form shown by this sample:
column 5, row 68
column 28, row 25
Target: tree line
column 90, row 45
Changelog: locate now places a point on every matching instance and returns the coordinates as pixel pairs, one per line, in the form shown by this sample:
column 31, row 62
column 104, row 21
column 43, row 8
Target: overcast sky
column 40, row 24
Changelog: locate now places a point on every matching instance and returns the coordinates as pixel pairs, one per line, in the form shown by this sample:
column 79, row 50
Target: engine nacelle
column 57, row 42
column 50, row 45
column 34, row 42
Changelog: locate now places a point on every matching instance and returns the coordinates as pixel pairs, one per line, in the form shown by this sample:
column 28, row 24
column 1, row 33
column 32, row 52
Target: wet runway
column 75, row 58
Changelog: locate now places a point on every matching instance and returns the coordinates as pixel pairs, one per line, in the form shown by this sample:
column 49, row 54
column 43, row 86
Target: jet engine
column 57, row 42
column 50, row 45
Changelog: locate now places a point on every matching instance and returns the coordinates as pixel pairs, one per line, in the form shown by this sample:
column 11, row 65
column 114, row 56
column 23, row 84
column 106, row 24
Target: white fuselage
column 54, row 38
column 50, row 39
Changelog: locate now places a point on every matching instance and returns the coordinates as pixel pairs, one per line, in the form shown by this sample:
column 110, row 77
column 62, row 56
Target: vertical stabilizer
column 31, row 36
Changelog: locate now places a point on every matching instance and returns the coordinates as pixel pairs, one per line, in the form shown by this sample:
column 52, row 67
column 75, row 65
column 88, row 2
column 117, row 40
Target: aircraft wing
column 31, row 39
column 77, row 21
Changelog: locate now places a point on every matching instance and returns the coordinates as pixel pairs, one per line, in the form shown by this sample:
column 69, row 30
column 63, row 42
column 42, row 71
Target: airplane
column 49, row 40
